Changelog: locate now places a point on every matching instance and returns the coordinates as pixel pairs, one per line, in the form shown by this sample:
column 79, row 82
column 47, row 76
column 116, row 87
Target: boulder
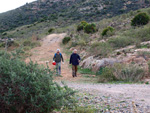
column 87, row 63
column 103, row 62
column 95, row 64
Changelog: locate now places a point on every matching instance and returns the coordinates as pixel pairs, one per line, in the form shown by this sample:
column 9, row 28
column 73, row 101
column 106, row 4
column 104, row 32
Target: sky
column 6, row 5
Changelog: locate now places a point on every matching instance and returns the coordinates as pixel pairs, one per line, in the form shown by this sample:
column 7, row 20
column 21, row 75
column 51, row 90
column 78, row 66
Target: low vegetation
column 88, row 28
column 66, row 40
column 140, row 19
column 107, row 31
column 51, row 30
column 29, row 87
column 120, row 72
column 104, row 49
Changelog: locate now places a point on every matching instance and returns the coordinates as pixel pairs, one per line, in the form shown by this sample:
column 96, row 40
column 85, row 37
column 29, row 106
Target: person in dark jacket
column 74, row 60
column 58, row 58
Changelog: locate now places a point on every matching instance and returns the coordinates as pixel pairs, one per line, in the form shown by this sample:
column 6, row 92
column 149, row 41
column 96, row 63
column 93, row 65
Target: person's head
column 58, row 51
column 75, row 51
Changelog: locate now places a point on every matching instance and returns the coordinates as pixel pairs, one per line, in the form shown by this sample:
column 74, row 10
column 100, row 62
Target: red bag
column 54, row 63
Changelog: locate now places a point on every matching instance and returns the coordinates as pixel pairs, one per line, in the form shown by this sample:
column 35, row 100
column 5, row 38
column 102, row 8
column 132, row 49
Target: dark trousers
column 74, row 70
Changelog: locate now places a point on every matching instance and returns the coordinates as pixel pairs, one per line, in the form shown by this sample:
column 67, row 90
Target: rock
column 87, row 62
column 83, row 54
column 103, row 62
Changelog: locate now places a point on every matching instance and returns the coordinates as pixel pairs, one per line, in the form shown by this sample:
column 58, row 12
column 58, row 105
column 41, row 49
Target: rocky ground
column 113, row 98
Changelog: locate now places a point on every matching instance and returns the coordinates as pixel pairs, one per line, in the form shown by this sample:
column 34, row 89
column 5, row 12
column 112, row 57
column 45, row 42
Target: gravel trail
column 126, row 98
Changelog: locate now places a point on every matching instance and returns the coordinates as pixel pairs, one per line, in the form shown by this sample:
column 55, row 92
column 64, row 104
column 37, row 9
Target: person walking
column 74, row 60
column 58, row 58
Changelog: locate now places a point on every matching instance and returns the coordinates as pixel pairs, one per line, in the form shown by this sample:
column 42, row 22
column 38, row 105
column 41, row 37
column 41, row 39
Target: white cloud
column 6, row 5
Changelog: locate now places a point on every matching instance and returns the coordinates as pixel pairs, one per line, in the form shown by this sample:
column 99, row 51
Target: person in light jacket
column 58, row 58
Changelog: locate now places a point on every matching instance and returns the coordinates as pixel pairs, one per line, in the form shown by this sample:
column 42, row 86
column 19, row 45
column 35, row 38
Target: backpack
column 56, row 54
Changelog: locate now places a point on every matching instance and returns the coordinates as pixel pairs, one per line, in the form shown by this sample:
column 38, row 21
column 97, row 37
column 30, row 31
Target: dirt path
column 46, row 51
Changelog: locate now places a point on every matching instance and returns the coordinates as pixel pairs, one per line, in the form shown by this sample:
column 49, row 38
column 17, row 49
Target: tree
column 140, row 19
column 106, row 30
column 90, row 28
column 81, row 25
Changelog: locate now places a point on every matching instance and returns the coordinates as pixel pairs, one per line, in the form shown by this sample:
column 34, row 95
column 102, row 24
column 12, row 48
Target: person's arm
column 62, row 58
column 70, row 60
column 54, row 57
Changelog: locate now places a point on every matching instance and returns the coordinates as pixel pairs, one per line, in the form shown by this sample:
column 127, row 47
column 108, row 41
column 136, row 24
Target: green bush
column 4, row 34
column 15, row 44
column 66, row 40
column 27, row 43
column 81, row 25
column 90, row 28
column 121, row 72
column 50, row 30
column 4, row 54
column 29, row 88
column 140, row 19
column 106, row 75
column 106, row 30
column 119, row 42
column 129, row 73
column 2, row 44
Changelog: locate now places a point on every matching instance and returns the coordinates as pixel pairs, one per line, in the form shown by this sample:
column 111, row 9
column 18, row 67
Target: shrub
column 90, row 28
column 106, row 75
column 121, row 72
column 119, row 42
column 107, row 30
column 2, row 44
column 35, row 44
column 129, row 73
column 66, row 40
column 29, row 88
column 4, row 34
column 81, row 25
column 4, row 54
column 27, row 43
column 15, row 44
column 50, row 30
column 140, row 19
column 82, row 42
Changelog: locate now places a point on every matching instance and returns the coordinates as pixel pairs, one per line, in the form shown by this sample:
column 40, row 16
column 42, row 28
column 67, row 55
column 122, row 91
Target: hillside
column 114, row 72
column 65, row 12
